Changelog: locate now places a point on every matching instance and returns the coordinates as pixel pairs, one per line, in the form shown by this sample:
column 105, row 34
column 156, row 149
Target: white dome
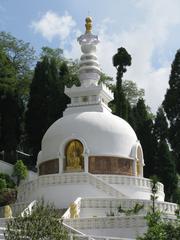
column 103, row 133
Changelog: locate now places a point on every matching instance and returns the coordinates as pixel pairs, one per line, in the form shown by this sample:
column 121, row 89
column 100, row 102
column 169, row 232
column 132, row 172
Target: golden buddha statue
column 74, row 158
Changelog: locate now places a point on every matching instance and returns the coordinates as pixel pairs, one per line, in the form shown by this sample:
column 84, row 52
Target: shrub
column 2, row 183
column 42, row 223
column 7, row 196
column 9, row 182
column 20, row 171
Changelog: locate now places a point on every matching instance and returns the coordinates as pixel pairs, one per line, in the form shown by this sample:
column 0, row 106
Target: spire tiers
column 89, row 71
column 89, row 96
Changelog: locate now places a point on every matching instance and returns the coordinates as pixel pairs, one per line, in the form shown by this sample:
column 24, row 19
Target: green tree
column 42, row 223
column 2, row 183
column 166, row 170
column 8, row 180
column 165, row 167
column 143, row 126
column 160, row 125
column 22, row 56
column 132, row 92
column 16, row 61
column 56, row 54
column 47, row 101
column 121, row 60
column 172, row 107
column 11, row 109
column 20, row 171
column 159, row 228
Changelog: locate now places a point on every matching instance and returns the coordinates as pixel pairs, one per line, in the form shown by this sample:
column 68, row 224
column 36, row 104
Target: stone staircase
column 26, row 189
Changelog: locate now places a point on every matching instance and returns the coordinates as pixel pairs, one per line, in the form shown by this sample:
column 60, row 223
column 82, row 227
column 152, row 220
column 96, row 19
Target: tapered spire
column 89, row 71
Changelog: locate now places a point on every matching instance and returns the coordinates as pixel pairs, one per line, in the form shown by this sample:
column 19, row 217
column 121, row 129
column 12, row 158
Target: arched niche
column 74, row 157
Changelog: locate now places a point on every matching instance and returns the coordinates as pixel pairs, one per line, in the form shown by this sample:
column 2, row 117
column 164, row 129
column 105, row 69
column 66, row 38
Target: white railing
column 130, row 181
column 89, row 237
column 107, row 222
column 112, row 204
column 55, row 179
column 105, row 187
column 29, row 209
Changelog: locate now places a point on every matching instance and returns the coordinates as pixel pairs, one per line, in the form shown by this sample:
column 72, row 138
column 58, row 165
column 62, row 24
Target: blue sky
column 148, row 29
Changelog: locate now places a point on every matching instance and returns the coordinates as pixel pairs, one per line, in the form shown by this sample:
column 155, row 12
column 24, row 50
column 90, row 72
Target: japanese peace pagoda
column 91, row 162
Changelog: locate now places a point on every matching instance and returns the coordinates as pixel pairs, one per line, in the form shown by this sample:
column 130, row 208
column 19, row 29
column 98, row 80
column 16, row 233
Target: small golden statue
column 88, row 24
column 74, row 210
column 7, row 211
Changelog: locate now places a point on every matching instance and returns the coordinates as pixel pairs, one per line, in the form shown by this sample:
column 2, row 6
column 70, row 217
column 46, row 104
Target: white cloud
column 52, row 25
column 143, row 40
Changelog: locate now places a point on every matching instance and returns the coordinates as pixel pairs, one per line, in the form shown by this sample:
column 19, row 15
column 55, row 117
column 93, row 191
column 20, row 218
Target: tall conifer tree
column 165, row 167
column 172, row 107
column 47, row 101
column 143, row 126
column 11, row 109
column 121, row 60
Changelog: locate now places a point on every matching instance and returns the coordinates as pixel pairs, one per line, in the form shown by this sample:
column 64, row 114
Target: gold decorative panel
column 110, row 165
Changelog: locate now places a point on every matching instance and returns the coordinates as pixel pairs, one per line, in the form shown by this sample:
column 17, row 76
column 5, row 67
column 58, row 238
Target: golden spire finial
column 88, row 24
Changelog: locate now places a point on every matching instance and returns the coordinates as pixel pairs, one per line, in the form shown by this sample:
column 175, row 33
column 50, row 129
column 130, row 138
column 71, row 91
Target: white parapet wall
column 73, row 185
column 127, row 227
column 6, row 167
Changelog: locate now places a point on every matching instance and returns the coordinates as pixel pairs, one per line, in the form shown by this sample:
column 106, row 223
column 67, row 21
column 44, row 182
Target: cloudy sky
column 148, row 29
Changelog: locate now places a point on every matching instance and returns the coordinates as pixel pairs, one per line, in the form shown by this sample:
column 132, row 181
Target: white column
column 86, row 157
column 61, row 162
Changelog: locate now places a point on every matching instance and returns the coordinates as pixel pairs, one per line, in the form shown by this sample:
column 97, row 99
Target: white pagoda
column 91, row 161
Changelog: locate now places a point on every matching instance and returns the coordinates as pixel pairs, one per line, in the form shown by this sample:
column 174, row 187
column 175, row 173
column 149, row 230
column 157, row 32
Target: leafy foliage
column 42, row 223
column 121, row 60
column 160, row 130
column 15, row 61
column 20, row 171
column 134, row 210
column 143, row 126
column 132, row 92
column 172, row 107
column 159, row 228
column 22, row 56
column 47, row 90
column 8, row 180
column 2, row 183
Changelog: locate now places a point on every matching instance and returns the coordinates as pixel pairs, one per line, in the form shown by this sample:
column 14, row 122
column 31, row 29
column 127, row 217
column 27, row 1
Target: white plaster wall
column 6, row 168
column 31, row 175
